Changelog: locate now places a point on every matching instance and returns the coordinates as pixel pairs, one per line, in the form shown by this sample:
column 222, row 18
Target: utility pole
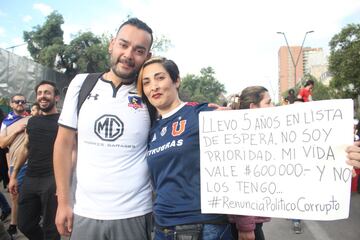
column 298, row 57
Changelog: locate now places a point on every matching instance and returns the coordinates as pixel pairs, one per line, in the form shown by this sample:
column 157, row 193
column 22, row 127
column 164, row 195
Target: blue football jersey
column 174, row 163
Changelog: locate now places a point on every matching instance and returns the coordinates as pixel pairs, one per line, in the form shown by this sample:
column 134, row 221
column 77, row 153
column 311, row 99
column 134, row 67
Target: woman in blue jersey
column 174, row 158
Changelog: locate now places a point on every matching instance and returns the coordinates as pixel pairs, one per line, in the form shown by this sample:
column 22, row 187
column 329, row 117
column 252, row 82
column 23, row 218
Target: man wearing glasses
column 11, row 136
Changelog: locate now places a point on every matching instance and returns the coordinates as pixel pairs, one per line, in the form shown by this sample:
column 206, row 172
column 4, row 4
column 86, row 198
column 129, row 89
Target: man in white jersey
column 112, row 191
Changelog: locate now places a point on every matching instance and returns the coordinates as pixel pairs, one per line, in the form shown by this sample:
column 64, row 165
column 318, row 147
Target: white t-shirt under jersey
column 112, row 174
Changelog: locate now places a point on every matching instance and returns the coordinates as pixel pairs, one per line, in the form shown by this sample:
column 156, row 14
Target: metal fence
column 20, row 75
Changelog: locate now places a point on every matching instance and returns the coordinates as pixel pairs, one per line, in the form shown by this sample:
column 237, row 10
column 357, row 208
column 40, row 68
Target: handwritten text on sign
column 278, row 162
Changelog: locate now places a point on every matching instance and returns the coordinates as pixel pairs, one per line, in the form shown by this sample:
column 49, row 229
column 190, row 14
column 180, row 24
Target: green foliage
column 344, row 61
column 323, row 92
column 45, row 41
column 85, row 53
column 202, row 88
column 160, row 45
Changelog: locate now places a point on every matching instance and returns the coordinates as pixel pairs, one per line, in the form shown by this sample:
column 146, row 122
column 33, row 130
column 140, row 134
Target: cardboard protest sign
column 286, row 161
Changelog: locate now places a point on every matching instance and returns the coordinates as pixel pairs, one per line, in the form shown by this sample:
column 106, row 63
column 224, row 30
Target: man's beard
column 126, row 78
column 19, row 113
column 48, row 108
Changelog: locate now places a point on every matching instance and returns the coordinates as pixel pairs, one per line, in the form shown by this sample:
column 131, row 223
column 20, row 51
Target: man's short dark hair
column 17, row 95
column 56, row 91
column 35, row 104
column 140, row 25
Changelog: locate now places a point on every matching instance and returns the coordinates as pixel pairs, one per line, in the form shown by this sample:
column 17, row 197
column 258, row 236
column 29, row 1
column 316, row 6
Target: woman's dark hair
column 253, row 94
column 170, row 67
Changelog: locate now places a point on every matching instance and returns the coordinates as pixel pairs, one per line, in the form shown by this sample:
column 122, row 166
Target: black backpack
column 86, row 87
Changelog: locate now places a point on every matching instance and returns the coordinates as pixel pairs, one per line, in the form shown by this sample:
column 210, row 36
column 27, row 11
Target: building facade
column 289, row 75
column 294, row 63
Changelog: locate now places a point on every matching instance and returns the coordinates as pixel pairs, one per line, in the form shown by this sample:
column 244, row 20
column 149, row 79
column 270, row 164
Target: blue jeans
column 20, row 175
column 207, row 232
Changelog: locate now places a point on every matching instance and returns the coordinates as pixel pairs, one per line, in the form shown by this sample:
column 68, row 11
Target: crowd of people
column 123, row 164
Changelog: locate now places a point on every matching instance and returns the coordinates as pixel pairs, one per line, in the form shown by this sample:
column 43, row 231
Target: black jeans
column 37, row 198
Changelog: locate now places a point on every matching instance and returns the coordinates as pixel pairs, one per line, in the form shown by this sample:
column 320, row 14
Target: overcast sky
column 237, row 38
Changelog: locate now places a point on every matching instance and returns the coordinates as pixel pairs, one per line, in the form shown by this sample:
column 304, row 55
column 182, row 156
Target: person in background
column 296, row 223
column 353, row 155
column 35, row 109
column 11, row 136
column 290, row 99
column 250, row 227
column 305, row 93
column 356, row 139
column 4, row 205
column 37, row 198
column 175, row 169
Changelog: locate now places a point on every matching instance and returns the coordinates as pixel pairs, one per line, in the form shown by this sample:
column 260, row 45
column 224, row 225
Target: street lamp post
column 13, row 47
column 298, row 57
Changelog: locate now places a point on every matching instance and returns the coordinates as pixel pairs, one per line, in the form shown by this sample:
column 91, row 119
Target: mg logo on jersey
column 109, row 127
column 178, row 128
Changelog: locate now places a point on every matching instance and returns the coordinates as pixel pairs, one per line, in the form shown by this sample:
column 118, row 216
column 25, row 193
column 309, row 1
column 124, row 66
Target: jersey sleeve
column 69, row 114
column 203, row 107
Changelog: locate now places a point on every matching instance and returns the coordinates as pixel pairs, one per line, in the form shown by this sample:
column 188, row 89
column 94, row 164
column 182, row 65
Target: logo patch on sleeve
column 135, row 102
column 163, row 131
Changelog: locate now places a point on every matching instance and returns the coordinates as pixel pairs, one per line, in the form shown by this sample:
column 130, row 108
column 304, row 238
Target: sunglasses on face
column 19, row 101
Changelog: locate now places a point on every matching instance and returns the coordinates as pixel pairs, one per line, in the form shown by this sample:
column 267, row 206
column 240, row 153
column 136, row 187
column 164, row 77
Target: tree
column 344, row 61
column 85, row 53
column 323, row 92
column 160, row 45
column 203, row 88
column 45, row 42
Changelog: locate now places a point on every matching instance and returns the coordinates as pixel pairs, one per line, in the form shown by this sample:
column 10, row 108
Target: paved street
column 347, row 229
column 19, row 235
column 280, row 229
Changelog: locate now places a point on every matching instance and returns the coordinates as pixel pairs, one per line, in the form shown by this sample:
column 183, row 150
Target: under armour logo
column 93, row 96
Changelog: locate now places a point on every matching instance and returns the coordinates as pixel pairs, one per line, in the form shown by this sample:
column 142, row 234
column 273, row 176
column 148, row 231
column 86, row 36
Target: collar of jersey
column 109, row 81
column 173, row 111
